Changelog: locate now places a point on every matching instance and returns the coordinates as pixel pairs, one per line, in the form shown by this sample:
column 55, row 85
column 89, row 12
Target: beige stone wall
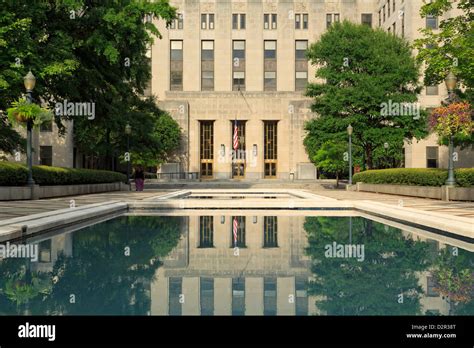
column 63, row 146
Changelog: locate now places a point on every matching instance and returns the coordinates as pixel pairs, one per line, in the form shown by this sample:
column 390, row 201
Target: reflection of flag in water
column 236, row 136
column 235, row 227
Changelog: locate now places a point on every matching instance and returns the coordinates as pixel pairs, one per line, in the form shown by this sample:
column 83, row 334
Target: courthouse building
column 241, row 63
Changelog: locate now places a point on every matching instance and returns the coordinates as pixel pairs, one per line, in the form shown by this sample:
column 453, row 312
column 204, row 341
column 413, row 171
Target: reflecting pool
column 239, row 265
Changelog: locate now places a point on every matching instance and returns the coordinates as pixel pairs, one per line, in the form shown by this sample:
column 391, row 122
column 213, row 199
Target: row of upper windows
column 270, row 20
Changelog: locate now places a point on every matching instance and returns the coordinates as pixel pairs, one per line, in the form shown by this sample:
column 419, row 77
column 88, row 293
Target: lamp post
column 128, row 131
column 29, row 81
column 451, row 82
column 349, row 132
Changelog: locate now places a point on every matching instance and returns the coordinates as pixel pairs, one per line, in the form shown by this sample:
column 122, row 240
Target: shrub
column 14, row 174
column 415, row 176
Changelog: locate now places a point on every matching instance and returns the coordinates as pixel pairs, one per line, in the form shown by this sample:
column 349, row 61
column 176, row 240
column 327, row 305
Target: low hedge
column 415, row 176
column 14, row 174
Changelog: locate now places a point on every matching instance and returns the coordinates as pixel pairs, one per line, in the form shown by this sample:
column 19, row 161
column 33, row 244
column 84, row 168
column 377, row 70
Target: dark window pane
column 235, row 21
column 242, row 21
column 46, row 155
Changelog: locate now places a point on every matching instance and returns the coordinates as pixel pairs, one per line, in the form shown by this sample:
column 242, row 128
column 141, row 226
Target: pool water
column 239, row 265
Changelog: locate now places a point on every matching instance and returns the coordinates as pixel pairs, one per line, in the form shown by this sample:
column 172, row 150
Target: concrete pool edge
column 37, row 223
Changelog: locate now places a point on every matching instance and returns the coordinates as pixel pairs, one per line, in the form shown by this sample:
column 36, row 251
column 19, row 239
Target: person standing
column 139, row 176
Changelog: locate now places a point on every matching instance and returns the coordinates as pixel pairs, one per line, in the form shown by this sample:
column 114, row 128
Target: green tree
column 373, row 286
column 364, row 71
column 85, row 51
column 103, row 277
column 451, row 48
column 330, row 159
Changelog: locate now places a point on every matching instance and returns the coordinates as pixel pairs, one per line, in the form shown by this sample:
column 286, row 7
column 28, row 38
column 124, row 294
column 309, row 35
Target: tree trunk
column 368, row 157
column 337, row 180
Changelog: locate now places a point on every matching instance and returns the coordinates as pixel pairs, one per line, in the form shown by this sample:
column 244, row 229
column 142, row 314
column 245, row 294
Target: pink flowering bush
column 451, row 120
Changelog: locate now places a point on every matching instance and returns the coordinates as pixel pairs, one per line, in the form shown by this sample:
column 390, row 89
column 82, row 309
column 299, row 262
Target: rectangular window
column 301, row 296
column 238, row 21
column 242, row 21
column 432, row 157
column 431, row 90
column 203, row 21
column 180, row 21
column 388, row 7
column 332, row 17
column 211, row 21
column 238, row 296
column 46, row 155
column 270, row 149
column 175, row 291
column 238, row 65
column 235, row 21
column 269, row 21
column 393, row 5
column 240, row 232
column 270, row 230
column 431, row 22
column 176, row 65
column 301, row 65
column 384, row 14
column 44, row 250
column 430, row 287
column 380, row 18
column 394, row 28
column 206, row 232
column 269, row 296
column 270, row 66
column 207, row 65
column 274, row 21
column 301, row 21
column 206, row 148
column 305, row 21
column 367, row 19
column 206, row 296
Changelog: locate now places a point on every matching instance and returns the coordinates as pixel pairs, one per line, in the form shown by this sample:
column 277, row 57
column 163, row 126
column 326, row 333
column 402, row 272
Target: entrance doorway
column 270, row 149
column 238, row 158
column 206, row 145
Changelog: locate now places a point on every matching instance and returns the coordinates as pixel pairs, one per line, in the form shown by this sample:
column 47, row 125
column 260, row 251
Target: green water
column 291, row 265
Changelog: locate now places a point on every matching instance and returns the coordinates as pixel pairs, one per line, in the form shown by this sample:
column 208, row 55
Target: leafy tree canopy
column 370, row 80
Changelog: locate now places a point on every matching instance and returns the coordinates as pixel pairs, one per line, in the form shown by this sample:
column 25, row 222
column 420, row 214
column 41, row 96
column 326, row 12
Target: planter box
column 10, row 193
column 443, row 192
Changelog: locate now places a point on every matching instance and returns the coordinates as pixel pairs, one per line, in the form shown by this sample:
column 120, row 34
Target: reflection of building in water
column 266, row 274
column 49, row 250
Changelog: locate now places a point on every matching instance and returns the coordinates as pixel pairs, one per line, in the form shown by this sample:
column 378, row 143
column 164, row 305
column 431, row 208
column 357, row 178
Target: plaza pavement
column 12, row 209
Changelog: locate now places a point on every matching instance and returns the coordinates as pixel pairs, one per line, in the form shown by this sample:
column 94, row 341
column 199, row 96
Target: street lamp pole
column 349, row 132
column 451, row 82
column 29, row 81
column 128, row 131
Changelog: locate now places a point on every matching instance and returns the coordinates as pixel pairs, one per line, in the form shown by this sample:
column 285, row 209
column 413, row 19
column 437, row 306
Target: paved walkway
column 11, row 209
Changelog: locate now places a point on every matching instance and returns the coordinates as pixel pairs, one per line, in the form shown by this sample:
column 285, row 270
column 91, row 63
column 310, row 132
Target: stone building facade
column 224, row 63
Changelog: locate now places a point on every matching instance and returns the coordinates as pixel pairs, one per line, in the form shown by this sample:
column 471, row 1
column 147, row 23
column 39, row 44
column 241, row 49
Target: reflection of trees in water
column 370, row 287
column 454, row 278
column 102, row 278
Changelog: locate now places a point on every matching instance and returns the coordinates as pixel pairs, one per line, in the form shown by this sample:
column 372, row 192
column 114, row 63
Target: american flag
column 234, row 229
column 236, row 136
